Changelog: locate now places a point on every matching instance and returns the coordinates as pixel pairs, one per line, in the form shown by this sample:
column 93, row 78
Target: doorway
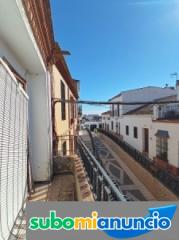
column 146, row 140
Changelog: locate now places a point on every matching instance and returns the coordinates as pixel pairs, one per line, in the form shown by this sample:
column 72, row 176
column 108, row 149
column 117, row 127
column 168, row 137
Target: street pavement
column 128, row 184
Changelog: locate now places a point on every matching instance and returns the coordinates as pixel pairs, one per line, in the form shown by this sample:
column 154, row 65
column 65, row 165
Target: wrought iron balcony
column 103, row 187
column 169, row 112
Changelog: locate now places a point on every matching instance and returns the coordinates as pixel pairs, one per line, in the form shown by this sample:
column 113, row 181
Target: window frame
column 63, row 104
column 127, row 130
column 64, row 148
column 136, row 132
column 112, row 125
column 162, row 148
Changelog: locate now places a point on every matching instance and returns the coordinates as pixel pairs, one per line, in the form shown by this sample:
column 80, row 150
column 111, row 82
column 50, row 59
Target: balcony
column 166, row 112
column 103, row 187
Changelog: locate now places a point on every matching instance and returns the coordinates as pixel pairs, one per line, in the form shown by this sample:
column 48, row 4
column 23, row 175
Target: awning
column 162, row 133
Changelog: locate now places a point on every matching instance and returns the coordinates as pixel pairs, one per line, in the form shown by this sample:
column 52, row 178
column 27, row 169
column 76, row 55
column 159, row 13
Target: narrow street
column 133, row 180
column 144, row 179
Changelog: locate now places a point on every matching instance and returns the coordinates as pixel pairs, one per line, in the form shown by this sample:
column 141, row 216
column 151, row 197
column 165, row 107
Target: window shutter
column 13, row 149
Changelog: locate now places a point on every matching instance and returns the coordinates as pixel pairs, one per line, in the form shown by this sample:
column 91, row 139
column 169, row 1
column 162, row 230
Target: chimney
column 177, row 89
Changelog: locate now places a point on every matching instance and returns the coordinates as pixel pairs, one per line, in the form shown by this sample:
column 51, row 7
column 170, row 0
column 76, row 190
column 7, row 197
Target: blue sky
column 118, row 44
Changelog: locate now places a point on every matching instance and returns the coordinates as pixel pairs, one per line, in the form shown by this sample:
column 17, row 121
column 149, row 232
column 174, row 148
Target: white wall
column 6, row 52
column 18, row 45
column 141, row 122
column 106, row 119
column 173, row 141
column 39, row 127
column 145, row 121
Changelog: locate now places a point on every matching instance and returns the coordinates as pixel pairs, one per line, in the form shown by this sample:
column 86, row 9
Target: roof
column 142, row 110
column 133, row 90
column 106, row 113
column 162, row 133
column 148, row 108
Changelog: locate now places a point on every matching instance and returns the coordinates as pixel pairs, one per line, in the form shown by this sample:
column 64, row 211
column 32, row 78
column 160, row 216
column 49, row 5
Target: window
column 127, row 130
column 64, row 148
column 71, row 141
column 162, row 148
column 112, row 125
column 113, row 112
column 135, row 132
column 72, row 106
column 63, row 104
column 118, row 110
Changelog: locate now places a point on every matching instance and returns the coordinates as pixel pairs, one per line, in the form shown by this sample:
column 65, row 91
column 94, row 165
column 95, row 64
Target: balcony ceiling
column 14, row 33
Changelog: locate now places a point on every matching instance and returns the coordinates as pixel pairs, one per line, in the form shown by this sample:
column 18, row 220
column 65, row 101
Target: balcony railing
column 169, row 112
column 164, row 176
column 144, row 160
column 103, row 187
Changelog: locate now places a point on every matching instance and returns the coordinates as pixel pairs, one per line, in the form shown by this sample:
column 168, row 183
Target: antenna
column 175, row 74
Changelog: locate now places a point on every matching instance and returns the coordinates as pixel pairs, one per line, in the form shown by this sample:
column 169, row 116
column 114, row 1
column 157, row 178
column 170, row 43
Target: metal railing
column 164, row 176
column 95, row 151
column 170, row 111
column 92, row 141
column 144, row 160
column 103, row 187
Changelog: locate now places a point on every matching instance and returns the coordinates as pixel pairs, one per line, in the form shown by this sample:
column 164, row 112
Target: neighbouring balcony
column 166, row 112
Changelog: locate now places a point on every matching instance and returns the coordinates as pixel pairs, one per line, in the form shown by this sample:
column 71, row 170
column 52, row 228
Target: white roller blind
column 13, row 149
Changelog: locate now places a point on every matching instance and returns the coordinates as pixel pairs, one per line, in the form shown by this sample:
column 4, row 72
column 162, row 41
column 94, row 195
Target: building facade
column 33, row 73
column 26, row 43
column 152, row 129
column 65, row 114
column 106, row 120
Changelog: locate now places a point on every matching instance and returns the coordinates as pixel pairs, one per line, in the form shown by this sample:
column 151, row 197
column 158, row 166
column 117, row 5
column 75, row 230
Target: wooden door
column 146, row 140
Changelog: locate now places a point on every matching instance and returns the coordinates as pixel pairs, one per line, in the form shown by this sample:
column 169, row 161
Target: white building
column 106, row 120
column 20, row 47
column 136, row 95
column 151, row 129
column 91, row 125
